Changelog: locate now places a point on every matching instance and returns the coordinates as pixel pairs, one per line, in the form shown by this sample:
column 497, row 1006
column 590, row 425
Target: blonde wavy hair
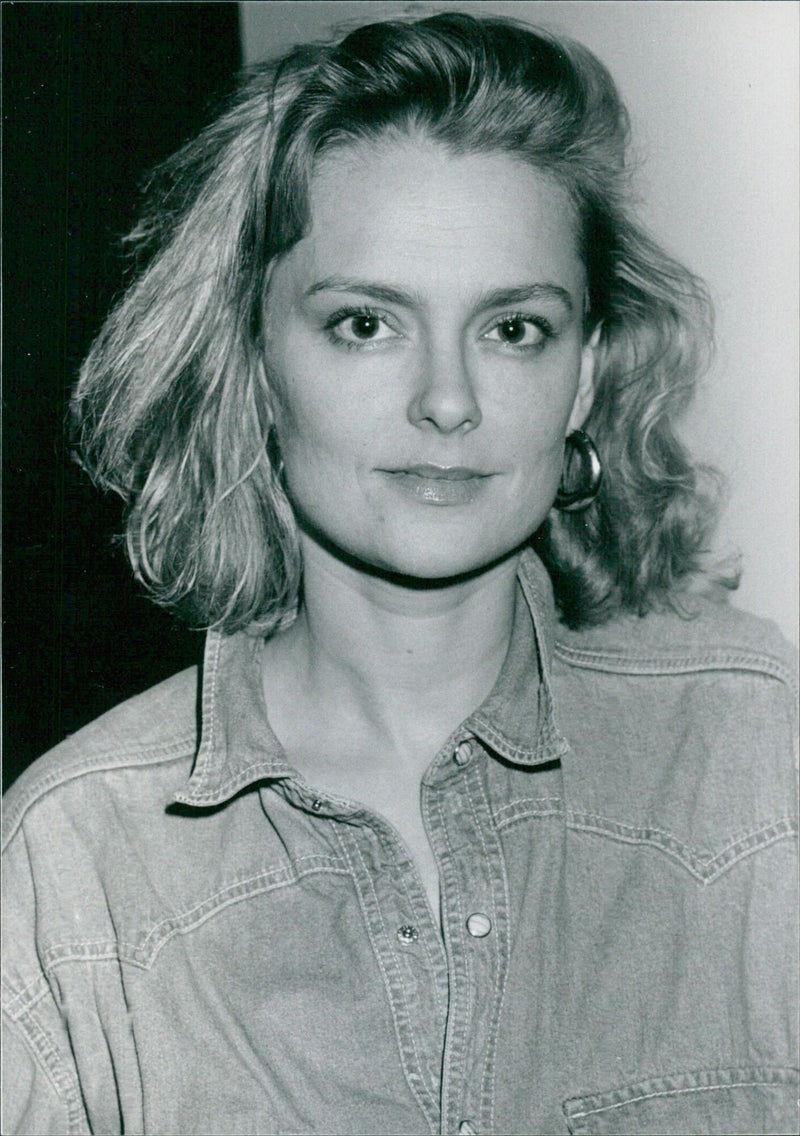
column 174, row 404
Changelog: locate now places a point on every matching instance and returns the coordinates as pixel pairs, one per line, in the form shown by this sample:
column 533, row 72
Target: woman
column 484, row 823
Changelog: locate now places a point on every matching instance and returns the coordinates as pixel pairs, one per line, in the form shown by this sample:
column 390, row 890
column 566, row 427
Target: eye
column 358, row 327
column 518, row 331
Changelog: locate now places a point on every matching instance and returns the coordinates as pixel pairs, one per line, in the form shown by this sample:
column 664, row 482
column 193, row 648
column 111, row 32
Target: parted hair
column 174, row 405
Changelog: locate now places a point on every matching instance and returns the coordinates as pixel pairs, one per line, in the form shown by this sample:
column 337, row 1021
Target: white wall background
column 712, row 88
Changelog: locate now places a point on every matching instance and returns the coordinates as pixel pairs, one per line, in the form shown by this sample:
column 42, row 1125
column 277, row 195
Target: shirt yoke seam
column 525, row 807
column 144, row 954
column 101, row 763
column 704, row 865
column 258, row 884
column 620, row 663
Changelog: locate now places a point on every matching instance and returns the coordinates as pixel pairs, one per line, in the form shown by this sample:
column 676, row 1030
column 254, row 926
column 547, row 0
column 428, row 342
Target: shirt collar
column 516, row 721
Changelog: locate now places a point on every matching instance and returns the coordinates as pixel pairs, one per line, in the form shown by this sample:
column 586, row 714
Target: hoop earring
column 579, row 444
column 274, row 455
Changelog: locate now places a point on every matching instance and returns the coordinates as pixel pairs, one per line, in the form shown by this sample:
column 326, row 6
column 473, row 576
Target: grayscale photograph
column 400, row 621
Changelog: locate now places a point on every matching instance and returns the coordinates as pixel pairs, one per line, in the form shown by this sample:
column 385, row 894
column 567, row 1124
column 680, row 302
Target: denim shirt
column 199, row 941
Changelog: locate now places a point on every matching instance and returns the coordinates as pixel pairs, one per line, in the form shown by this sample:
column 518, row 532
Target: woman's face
column 426, row 341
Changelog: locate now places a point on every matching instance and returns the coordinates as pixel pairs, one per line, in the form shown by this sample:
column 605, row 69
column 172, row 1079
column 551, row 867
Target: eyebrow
column 497, row 298
column 385, row 292
column 506, row 297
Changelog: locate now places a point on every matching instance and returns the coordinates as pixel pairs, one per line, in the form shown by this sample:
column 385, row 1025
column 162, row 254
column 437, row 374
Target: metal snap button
column 463, row 753
column 479, row 925
column 407, row 933
column 316, row 804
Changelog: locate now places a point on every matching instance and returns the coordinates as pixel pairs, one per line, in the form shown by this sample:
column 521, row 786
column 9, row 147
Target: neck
column 406, row 663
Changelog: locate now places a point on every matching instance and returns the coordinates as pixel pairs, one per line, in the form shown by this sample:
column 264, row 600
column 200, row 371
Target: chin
column 432, row 566
column 419, row 555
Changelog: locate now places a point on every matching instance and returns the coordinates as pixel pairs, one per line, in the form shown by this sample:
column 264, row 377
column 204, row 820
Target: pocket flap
column 705, row 1103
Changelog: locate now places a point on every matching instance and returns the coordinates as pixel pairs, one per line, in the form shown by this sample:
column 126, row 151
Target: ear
column 585, row 393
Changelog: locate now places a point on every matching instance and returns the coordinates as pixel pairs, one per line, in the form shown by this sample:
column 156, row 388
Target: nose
column 444, row 398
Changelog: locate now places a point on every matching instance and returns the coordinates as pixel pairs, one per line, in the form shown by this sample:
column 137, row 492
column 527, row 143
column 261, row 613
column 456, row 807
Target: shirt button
column 407, row 933
column 478, row 925
column 467, row 1128
column 463, row 753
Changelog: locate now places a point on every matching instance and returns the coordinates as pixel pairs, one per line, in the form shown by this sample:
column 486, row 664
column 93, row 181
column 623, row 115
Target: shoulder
column 706, row 635
column 682, row 728
column 710, row 669
column 155, row 732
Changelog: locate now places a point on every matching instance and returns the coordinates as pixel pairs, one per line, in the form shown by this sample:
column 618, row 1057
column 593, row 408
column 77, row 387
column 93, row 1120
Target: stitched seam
column 551, row 747
column 398, row 969
column 525, row 807
column 143, row 955
column 736, row 839
column 655, row 664
column 461, row 906
column 500, row 987
column 411, row 1079
column 467, row 966
column 88, row 950
column 535, row 605
column 28, row 997
column 782, row 826
column 104, row 762
column 527, row 816
column 429, row 826
column 46, row 1055
column 285, row 871
column 27, row 1030
column 425, row 943
column 267, row 767
column 678, row 1092
column 705, row 868
column 241, row 890
column 487, row 861
column 210, row 715
column 500, row 742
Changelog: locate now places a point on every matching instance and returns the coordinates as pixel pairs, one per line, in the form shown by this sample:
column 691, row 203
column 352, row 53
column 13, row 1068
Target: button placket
column 475, row 924
column 405, row 952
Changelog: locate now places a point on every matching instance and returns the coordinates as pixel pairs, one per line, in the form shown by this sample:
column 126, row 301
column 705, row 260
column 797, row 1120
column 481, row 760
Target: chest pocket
column 743, row 1100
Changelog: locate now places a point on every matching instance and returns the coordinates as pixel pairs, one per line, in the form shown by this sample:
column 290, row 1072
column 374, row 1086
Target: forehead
column 408, row 208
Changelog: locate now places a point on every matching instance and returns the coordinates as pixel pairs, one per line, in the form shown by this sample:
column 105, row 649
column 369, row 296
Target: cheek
column 535, row 421
column 318, row 434
column 304, row 407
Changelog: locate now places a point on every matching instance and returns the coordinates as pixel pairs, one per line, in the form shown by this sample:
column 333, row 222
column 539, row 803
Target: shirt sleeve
column 41, row 1087
column 31, row 1101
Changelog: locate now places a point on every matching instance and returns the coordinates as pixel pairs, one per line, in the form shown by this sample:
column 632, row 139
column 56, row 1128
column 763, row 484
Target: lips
column 437, row 484
column 440, row 472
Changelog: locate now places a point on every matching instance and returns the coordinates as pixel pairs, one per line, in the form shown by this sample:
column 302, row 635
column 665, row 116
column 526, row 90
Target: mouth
column 439, row 485
column 441, row 472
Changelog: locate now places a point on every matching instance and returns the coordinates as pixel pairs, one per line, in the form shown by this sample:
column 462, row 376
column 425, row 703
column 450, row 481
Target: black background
column 94, row 96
